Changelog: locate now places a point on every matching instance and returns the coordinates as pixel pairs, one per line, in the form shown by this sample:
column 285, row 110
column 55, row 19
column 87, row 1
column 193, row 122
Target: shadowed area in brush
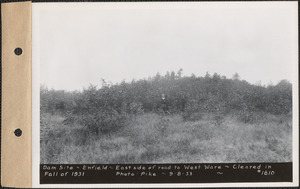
column 168, row 119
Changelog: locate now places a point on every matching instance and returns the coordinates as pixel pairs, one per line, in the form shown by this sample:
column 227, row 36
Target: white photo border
column 37, row 8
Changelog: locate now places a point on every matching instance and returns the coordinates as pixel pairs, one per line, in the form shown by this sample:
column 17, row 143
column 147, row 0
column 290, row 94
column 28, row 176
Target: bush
column 249, row 115
column 100, row 111
column 99, row 122
column 193, row 110
column 136, row 108
column 108, row 108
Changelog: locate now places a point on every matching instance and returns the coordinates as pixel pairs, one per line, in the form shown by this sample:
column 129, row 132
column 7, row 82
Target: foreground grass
column 151, row 138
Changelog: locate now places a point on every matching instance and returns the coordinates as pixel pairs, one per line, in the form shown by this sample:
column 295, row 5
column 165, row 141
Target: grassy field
column 152, row 138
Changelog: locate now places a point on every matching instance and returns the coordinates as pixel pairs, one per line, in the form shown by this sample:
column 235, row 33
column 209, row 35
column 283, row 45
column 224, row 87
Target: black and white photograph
column 166, row 83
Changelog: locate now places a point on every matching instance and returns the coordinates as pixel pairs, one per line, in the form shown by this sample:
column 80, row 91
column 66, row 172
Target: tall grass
column 154, row 138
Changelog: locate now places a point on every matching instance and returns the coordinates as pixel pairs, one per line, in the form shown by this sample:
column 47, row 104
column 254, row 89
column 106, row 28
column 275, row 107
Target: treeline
column 110, row 106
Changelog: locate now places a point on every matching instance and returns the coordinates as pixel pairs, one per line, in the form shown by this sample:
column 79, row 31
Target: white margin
column 39, row 7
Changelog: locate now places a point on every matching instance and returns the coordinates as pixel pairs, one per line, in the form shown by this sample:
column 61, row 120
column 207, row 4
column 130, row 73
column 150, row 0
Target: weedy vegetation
column 203, row 119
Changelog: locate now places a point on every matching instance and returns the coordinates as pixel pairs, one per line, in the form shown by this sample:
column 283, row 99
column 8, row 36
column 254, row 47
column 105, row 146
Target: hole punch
column 18, row 51
column 18, row 132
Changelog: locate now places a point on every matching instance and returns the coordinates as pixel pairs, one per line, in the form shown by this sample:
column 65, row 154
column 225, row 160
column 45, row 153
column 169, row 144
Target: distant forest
column 107, row 108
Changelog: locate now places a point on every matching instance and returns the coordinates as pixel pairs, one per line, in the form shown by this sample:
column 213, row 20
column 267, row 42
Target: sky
column 78, row 44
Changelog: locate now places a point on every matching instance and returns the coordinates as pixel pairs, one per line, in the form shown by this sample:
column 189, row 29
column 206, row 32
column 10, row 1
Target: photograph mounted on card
column 165, row 94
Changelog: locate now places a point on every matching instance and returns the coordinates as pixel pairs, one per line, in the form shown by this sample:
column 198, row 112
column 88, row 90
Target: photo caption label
column 165, row 173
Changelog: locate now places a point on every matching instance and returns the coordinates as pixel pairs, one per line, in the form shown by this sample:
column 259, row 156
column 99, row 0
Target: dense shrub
column 200, row 119
column 193, row 110
column 108, row 108
column 98, row 111
column 136, row 108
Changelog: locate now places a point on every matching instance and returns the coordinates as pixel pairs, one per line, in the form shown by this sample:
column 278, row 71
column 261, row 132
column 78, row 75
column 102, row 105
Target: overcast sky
column 80, row 44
